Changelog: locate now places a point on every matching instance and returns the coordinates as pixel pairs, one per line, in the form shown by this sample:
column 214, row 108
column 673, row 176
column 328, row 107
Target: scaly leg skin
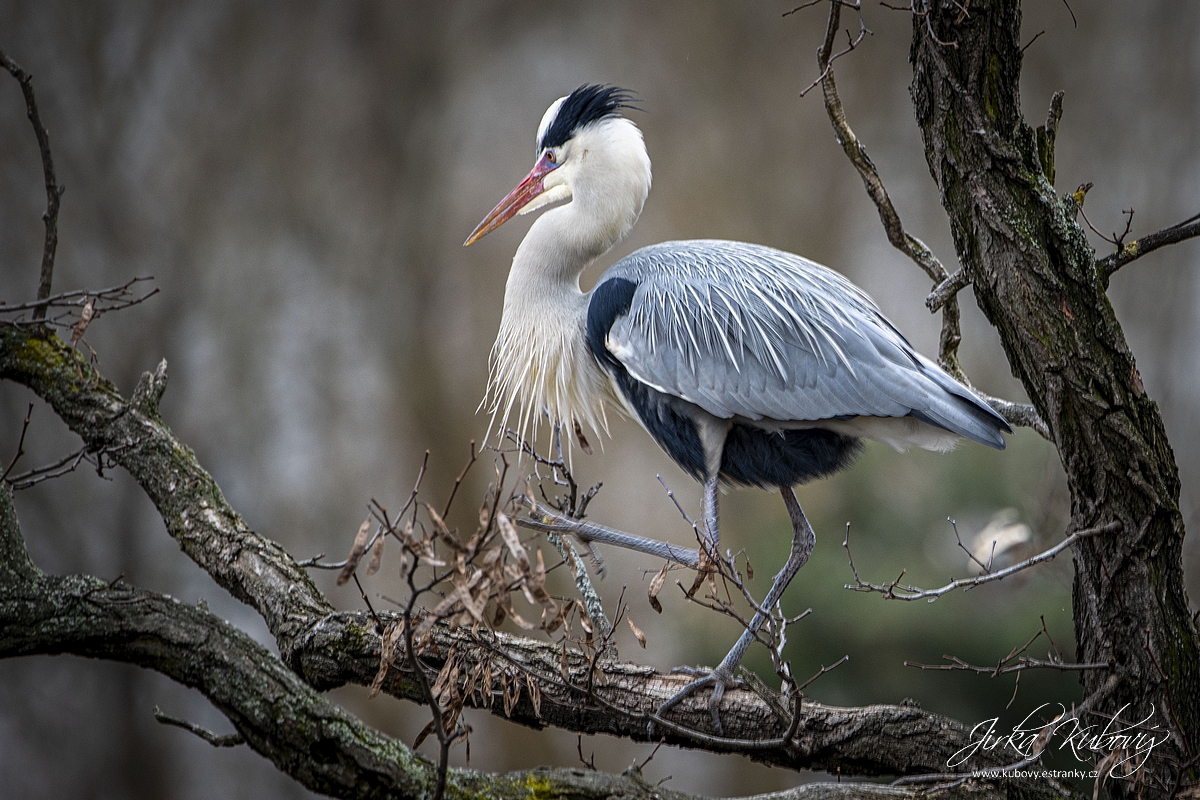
column 589, row 532
column 710, row 515
column 721, row 678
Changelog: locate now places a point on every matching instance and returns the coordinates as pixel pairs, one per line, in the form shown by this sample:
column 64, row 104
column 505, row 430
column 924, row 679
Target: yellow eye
column 551, row 157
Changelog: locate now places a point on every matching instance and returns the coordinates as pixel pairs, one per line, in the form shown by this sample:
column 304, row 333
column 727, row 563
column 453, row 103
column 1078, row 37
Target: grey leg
column 711, row 493
column 803, row 541
column 589, row 532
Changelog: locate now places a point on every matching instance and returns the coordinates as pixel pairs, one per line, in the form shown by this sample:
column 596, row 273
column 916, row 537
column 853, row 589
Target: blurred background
column 299, row 178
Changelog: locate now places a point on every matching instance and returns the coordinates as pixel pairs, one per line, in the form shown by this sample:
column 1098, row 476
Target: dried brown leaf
column 450, row 697
column 535, row 695
column 439, row 525
column 485, row 516
column 425, row 549
column 85, row 318
column 512, row 694
column 392, row 635
column 564, row 666
column 443, row 532
column 505, row 602
column 552, row 617
column 445, row 674
column 424, row 734
column 749, row 570
column 585, row 620
column 656, row 584
column 537, row 582
column 356, row 551
column 583, row 442
column 487, row 683
column 509, row 533
column 376, row 556
column 637, row 632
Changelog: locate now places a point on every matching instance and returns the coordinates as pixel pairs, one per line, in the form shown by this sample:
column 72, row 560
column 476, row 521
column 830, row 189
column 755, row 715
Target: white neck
column 540, row 359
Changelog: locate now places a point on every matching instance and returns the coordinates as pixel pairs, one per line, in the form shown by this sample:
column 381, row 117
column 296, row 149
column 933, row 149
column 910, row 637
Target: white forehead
column 548, row 118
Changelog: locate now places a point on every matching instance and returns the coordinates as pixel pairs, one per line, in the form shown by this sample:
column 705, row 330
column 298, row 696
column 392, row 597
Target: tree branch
column 329, row 648
column 906, row 243
column 53, row 189
column 916, row 593
column 944, row 295
column 279, row 715
column 1131, row 251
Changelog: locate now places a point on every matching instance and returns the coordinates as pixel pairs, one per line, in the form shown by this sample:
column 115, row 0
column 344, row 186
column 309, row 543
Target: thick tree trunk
column 1036, row 279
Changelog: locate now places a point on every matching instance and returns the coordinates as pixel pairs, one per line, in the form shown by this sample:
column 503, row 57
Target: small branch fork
column 1131, row 251
column 216, row 740
column 75, row 305
column 946, row 285
column 54, row 189
column 1015, row 662
column 889, row 591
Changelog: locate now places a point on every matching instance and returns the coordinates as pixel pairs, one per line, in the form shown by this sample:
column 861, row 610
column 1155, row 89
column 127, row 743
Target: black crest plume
column 588, row 103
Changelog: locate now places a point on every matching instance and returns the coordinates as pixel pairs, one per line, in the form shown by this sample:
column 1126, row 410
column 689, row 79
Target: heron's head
column 586, row 152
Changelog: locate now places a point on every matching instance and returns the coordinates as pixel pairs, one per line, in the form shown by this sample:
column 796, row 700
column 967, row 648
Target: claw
column 718, row 678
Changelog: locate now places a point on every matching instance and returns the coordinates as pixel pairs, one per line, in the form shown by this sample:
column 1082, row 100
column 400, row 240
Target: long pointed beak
column 517, row 199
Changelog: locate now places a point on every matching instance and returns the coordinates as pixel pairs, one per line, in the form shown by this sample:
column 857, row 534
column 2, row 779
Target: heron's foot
column 719, row 679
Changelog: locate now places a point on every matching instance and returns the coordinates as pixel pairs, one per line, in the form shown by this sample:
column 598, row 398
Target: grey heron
column 746, row 364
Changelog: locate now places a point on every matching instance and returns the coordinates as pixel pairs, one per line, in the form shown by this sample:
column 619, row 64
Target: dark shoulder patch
column 588, row 103
column 611, row 299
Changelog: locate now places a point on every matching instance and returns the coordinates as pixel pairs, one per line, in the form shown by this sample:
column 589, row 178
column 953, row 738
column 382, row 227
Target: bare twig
column 77, row 304
column 589, row 763
column 457, row 481
column 216, row 740
column 821, row 672
column 1137, row 248
column 985, row 567
column 371, row 608
column 1023, row 663
column 410, row 654
column 907, row 244
column 915, row 593
column 852, row 43
column 20, row 444
column 54, row 189
column 947, row 289
column 653, row 753
column 64, row 465
column 686, row 518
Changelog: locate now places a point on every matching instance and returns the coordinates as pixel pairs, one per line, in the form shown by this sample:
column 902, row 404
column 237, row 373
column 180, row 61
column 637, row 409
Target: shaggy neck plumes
column 540, row 359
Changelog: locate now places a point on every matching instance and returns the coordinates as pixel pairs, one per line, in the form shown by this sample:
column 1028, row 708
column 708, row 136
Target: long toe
column 718, row 679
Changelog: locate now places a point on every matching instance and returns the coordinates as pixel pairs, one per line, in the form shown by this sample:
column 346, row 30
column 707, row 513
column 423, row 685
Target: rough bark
column 1036, row 279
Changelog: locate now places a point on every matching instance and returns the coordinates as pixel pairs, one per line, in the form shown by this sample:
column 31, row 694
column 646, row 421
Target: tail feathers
column 963, row 412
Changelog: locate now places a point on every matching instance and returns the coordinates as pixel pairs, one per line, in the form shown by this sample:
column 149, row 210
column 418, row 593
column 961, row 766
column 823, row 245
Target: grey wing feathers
column 745, row 330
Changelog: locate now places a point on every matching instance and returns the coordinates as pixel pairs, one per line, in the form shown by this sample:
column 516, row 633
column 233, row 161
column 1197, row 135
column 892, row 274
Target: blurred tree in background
column 299, row 180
